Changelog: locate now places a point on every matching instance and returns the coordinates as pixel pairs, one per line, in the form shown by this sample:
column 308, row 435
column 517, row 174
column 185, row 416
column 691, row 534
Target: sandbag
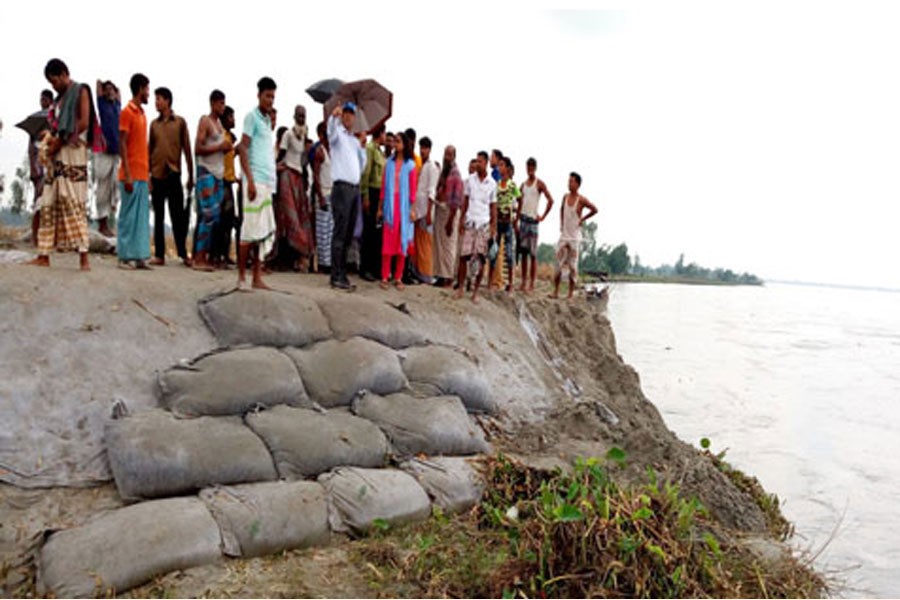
column 360, row 496
column 232, row 383
column 437, row 425
column 155, row 454
column 305, row 442
column 451, row 482
column 257, row 519
column 351, row 317
column 437, row 370
column 127, row 547
column 334, row 371
column 264, row 319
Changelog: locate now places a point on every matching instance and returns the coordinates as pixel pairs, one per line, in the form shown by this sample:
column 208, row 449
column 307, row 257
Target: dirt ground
column 75, row 343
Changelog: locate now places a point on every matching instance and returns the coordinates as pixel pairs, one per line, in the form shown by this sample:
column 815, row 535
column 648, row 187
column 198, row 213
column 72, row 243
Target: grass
column 541, row 534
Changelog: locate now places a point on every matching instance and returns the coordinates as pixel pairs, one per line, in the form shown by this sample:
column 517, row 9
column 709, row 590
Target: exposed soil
column 74, row 343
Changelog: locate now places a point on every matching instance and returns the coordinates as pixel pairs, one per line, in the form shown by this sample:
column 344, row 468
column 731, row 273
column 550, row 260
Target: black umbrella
column 34, row 123
column 323, row 90
column 373, row 101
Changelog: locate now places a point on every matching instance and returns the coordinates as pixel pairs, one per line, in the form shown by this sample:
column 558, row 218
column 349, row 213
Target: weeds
column 770, row 505
column 541, row 534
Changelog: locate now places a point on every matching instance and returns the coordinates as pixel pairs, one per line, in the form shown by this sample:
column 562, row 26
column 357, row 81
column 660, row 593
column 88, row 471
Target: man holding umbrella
column 348, row 159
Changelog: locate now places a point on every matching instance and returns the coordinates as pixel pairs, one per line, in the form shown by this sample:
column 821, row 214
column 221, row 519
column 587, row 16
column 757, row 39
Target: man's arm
column 462, row 213
column 331, row 127
column 562, row 213
column 592, row 210
column 99, row 89
column 188, row 155
column 123, row 152
column 243, row 148
column 543, row 189
column 84, row 111
column 367, row 171
column 432, row 193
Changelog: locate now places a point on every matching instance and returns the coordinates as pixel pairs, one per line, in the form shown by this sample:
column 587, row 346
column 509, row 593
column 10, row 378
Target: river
column 801, row 385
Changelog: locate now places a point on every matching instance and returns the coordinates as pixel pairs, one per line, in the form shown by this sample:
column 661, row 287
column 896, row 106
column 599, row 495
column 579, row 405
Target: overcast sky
column 762, row 137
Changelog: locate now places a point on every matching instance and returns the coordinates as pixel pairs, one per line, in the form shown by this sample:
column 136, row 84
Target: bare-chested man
column 527, row 235
column 571, row 218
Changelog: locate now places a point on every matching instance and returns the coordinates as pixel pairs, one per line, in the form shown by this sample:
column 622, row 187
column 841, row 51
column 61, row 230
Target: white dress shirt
column 348, row 158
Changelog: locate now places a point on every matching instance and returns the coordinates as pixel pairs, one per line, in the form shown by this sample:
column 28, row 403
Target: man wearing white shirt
column 348, row 159
column 478, row 222
column 426, row 191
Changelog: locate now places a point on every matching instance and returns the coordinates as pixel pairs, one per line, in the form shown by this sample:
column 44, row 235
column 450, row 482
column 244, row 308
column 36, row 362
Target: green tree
column 618, row 260
column 546, row 253
column 21, row 188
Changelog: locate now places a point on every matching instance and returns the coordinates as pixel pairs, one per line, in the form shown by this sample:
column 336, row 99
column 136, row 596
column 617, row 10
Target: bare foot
column 259, row 284
column 553, row 296
column 383, row 285
column 459, row 293
column 203, row 266
column 522, row 288
column 474, row 299
column 400, row 286
column 40, row 261
column 157, row 262
column 242, row 286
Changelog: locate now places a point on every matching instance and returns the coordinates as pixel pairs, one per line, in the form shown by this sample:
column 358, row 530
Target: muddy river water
column 801, row 385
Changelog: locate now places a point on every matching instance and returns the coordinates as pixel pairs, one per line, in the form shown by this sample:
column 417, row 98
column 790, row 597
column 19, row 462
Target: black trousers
column 343, row 207
column 370, row 252
column 169, row 191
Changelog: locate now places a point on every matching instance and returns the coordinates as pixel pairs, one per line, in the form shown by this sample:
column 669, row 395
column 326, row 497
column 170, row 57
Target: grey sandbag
column 155, row 454
column 306, row 442
column 232, row 382
column 264, row 319
column 257, row 519
column 360, row 496
column 334, row 371
column 127, row 547
column 441, row 370
column 350, row 317
column 437, row 425
column 451, row 481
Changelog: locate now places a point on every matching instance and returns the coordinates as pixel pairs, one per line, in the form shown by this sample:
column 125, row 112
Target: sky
column 761, row 137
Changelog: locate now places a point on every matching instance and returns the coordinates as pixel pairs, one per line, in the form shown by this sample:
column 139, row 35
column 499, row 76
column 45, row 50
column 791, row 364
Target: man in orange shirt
column 133, row 231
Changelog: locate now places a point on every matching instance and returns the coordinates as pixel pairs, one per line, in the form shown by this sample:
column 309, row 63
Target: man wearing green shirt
column 370, row 188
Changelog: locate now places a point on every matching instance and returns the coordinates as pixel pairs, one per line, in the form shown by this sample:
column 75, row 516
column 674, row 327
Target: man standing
column 322, row 187
column 478, row 222
column 36, row 169
column 133, row 229
column 221, row 244
column 169, row 139
column 211, row 148
column 348, row 157
column 496, row 155
column 570, row 221
column 426, row 191
column 371, row 189
column 507, row 203
column 449, row 200
column 63, row 220
column 106, row 163
column 527, row 234
column 293, row 219
column 258, row 169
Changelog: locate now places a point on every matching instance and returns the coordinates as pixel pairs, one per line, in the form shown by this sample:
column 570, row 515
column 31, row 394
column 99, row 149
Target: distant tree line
column 615, row 260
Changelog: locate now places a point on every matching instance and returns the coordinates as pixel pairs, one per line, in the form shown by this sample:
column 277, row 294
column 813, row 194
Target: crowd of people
column 348, row 202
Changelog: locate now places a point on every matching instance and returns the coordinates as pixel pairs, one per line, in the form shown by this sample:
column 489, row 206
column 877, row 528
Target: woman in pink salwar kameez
column 398, row 191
